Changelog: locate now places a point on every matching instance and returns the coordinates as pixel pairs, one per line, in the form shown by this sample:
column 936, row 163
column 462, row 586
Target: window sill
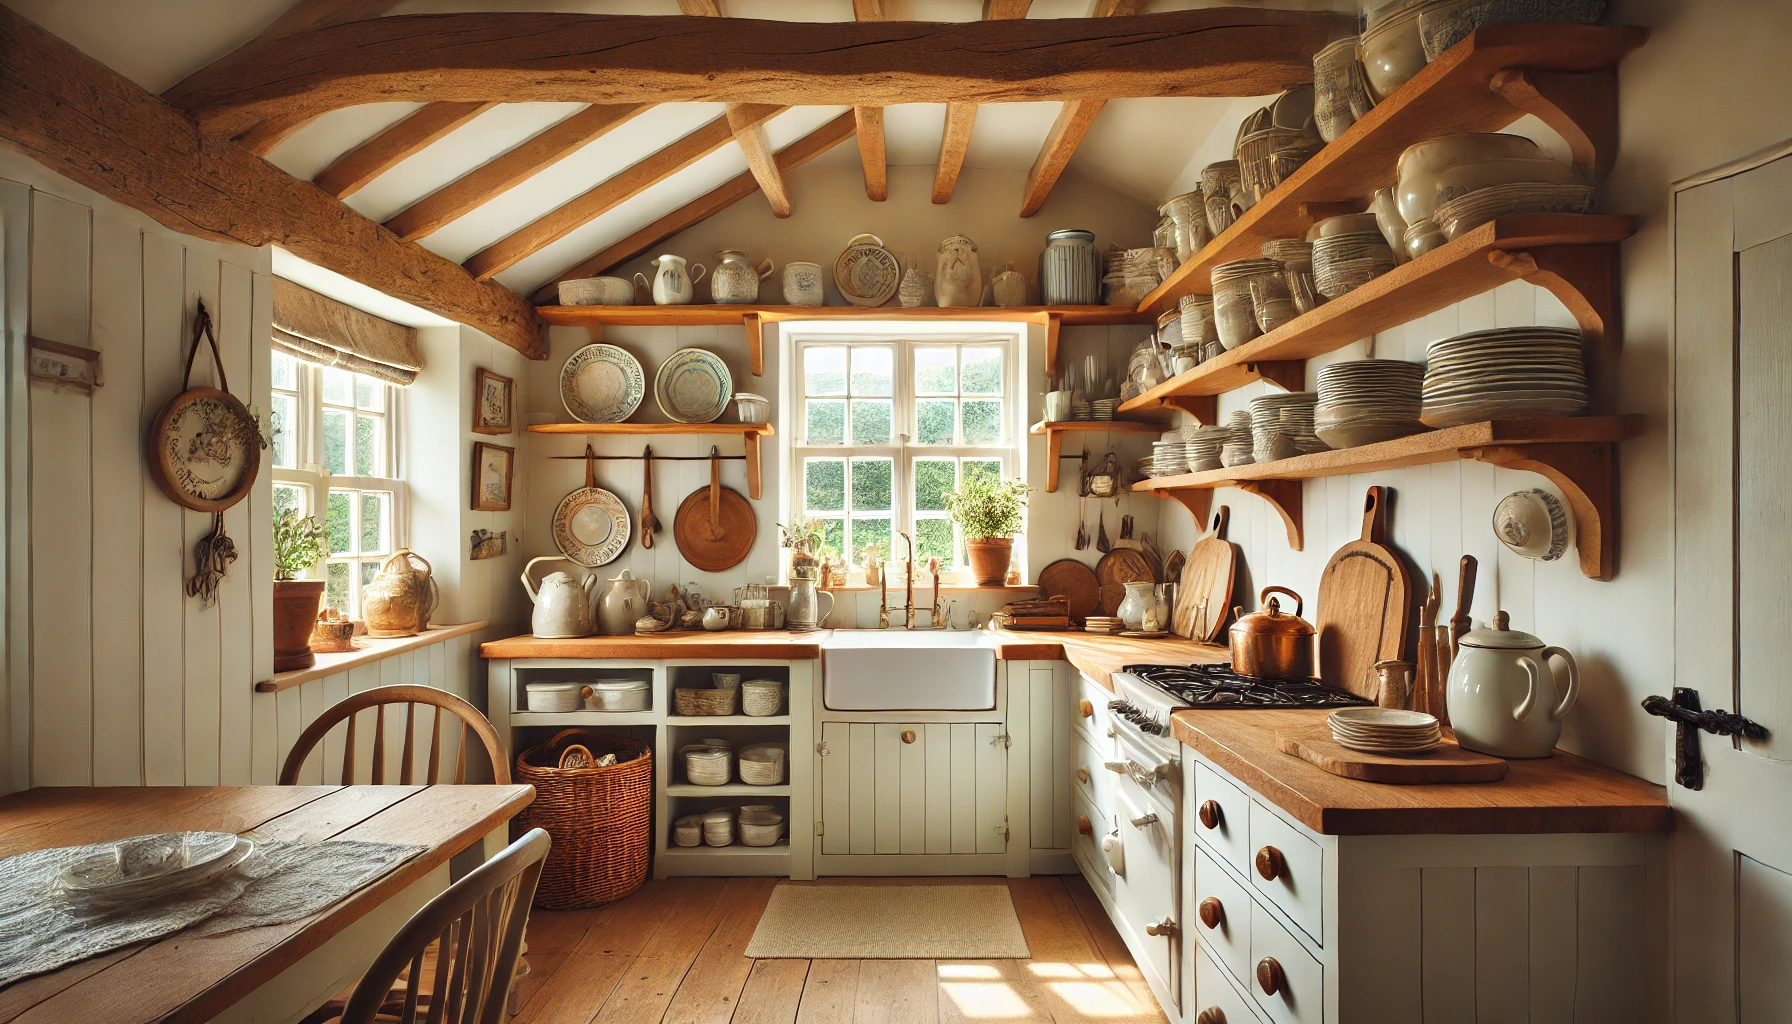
column 375, row 650
column 1018, row 588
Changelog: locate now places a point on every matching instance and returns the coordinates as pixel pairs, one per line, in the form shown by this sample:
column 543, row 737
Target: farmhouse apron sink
column 902, row 670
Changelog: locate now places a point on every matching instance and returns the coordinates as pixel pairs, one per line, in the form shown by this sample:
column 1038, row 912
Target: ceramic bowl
column 1392, row 51
column 1428, row 156
column 597, row 291
column 1421, row 238
column 1532, row 523
column 1351, row 223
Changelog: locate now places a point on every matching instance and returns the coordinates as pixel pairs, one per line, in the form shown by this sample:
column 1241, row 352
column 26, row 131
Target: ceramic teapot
column 624, row 601
column 562, row 604
column 736, row 278
column 400, row 599
column 671, row 284
column 959, row 277
column 1503, row 698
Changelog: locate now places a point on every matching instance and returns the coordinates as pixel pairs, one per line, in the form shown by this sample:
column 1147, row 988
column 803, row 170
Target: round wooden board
column 712, row 550
column 1070, row 578
column 1122, row 566
column 1448, row 763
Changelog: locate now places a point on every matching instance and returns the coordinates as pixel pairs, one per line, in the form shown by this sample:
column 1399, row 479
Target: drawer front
column 1092, row 779
column 1088, row 847
column 1229, row 837
column 1299, row 998
column 1230, row 940
column 1099, row 720
column 1298, row 884
column 1216, row 996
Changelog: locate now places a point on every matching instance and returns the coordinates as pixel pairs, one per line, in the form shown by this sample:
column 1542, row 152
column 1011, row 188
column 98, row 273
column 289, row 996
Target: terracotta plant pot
column 295, row 614
column 989, row 559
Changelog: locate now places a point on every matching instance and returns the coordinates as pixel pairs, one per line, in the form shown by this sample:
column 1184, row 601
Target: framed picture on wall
column 492, row 464
column 492, row 404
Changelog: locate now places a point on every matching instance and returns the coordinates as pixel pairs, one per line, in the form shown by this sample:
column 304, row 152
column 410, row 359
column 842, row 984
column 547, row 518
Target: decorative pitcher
column 1502, row 696
column 736, row 278
column 671, row 284
column 562, row 604
column 803, row 598
column 959, row 280
column 1139, row 606
column 624, row 601
column 400, row 599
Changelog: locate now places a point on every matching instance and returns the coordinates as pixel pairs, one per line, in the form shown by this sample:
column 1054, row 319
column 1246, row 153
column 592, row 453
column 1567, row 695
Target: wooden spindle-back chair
column 378, row 698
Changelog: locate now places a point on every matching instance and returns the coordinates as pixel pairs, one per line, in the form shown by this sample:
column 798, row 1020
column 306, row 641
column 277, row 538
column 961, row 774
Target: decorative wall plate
column 601, row 384
column 693, row 386
column 204, row 446
column 591, row 527
column 866, row 273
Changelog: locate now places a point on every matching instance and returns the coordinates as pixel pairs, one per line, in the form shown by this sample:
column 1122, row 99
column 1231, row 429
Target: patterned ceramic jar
column 1070, row 269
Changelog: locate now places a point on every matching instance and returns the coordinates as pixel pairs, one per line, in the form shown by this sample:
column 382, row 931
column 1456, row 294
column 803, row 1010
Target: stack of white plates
column 1282, row 426
column 1507, row 373
column 1385, row 730
column 1368, row 400
column 1237, row 453
column 1103, row 408
column 146, row 868
column 1471, row 210
column 1349, row 260
column 1203, row 448
column 1102, row 624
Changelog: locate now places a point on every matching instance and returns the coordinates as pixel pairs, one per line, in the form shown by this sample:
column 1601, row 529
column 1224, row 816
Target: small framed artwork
column 492, row 464
column 64, row 366
column 492, row 406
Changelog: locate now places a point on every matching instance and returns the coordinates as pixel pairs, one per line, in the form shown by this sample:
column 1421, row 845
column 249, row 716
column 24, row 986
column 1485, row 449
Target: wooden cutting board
column 1072, row 579
column 714, row 527
column 1448, row 763
column 1209, row 571
column 1365, row 604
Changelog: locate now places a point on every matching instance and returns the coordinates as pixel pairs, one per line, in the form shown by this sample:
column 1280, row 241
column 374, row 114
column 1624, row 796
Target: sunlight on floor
column 1090, row 989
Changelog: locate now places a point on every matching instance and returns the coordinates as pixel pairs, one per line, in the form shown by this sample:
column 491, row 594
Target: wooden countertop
column 773, row 645
column 1099, row 657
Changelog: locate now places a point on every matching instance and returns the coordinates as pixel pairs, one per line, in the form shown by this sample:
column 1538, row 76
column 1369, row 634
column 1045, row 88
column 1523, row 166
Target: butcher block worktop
column 772, row 645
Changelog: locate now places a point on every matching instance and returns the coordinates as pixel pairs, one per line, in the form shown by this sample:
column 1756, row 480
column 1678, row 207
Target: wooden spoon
column 650, row 525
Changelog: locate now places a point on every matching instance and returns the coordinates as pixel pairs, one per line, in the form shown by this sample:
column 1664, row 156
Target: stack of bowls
column 1273, row 142
column 1391, row 48
column 1507, row 373
column 1296, row 257
column 1282, row 426
column 1368, row 400
column 1219, row 183
column 1167, row 458
column 1438, row 170
column 1234, row 314
column 1385, row 730
column 1198, row 329
column 1204, row 446
column 1348, row 252
column 1235, row 448
column 1340, row 92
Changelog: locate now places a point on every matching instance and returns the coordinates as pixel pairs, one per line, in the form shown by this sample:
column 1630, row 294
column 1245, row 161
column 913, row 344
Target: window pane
column 935, row 420
column 368, row 571
column 286, row 436
column 935, row 373
column 871, row 485
column 982, row 370
column 287, row 496
column 833, row 538
column 873, row 370
column 871, row 420
column 933, row 539
column 335, row 424
column 338, row 523
column 370, row 394
column 987, row 469
column 375, row 522
column 338, row 386
column 827, row 421
column 934, row 477
column 285, row 371
column 873, row 533
column 336, row 586
column 983, row 421
column 367, row 445
column 824, row 485
column 824, row 370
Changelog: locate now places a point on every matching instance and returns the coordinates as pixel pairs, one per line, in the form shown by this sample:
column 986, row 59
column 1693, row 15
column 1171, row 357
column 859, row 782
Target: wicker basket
column 598, row 818
column 718, row 827
column 760, row 825
column 706, row 765
column 762, row 764
column 762, row 698
column 688, row 830
column 705, row 702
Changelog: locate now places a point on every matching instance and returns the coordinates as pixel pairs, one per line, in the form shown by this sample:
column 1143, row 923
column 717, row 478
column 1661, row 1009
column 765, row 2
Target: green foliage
column 871, row 420
column 986, row 507
column 827, row 421
column 982, row 421
column 824, row 485
column 935, row 420
column 298, row 543
column 933, row 478
column 871, row 485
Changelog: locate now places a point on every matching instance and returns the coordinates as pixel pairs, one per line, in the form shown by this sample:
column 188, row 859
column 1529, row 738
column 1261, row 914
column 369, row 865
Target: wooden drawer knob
column 1082, row 776
column 1213, row 914
column 1211, row 1015
column 1269, row 976
column 1270, row 864
column 1210, row 814
column 908, row 735
column 1083, row 828
column 1086, row 709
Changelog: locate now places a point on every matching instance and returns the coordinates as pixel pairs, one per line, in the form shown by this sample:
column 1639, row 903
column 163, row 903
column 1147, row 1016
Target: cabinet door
column 890, row 788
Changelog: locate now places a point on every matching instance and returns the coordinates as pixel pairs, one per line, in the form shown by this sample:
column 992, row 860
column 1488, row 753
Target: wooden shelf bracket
column 1287, row 374
column 755, row 343
column 1588, row 477
column 1285, row 497
column 1204, row 408
column 1198, row 501
column 1581, row 106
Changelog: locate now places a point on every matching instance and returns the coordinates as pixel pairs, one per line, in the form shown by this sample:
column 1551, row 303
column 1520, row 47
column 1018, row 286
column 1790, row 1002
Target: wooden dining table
column 275, row 973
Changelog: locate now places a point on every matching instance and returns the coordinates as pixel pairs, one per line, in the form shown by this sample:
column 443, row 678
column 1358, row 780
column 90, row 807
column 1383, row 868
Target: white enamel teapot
column 1502, row 697
column 562, row 604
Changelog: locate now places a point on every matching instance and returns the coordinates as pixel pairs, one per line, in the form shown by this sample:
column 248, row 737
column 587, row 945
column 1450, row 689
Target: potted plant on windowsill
column 988, row 510
column 298, row 543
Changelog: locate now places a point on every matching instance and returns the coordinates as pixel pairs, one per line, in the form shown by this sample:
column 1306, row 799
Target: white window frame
column 315, row 482
column 904, row 451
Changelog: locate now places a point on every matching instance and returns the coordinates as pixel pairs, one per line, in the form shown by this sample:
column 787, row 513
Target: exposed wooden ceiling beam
column 869, row 10
column 703, row 207
column 870, row 121
column 748, row 121
column 269, row 132
column 556, row 224
column 701, row 8
column 348, row 173
column 85, row 121
column 955, row 140
column 488, row 181
column 515, row 57
column 1074, row 121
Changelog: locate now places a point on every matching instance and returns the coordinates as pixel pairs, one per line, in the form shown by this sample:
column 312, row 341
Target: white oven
column 1146, row 847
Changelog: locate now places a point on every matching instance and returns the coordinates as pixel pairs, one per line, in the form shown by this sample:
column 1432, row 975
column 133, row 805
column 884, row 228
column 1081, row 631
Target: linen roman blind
column 317, row 329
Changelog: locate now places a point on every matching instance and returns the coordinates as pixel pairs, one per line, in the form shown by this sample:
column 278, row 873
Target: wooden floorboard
column 830, row 993
column 984, row 991
column 1109, row 943
column 711, row 989
column 897, row 992
column 647, row 987
column 773, row 991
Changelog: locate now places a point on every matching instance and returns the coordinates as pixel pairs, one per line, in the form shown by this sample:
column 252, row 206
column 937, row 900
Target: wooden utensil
column 1082, row 529
column 650, row 523
column 1207, row 575
column 1365, row 605
column 1173, row 565
column 715, row 526
column 1440, row 674
column 1074, row 581
column 1460, row 622
column 1448, row 763
column 1126, row 527
column 1101, row 534
column 1422, row 686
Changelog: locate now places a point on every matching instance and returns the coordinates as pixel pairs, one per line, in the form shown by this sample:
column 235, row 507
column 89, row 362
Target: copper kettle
column 1271, row 644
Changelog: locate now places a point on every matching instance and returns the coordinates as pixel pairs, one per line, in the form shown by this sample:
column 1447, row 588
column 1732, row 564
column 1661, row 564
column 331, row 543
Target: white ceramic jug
column 671, row 284
column 624, row 601
column 1502, row 697
column 562, row 605
column 804, row 614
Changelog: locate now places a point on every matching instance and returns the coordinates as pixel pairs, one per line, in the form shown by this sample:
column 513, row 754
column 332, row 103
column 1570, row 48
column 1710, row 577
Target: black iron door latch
column 1683, row 711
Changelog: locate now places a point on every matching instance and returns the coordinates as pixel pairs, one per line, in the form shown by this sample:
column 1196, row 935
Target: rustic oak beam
column 351, row 171
column 556, row 224
column 955, row 141
column 871, row 121
column 1074, row 121
column 748, row 122
column 515, row 57
column 703, row 207
column 998, row 10
column 269, row 132
column 85, row 121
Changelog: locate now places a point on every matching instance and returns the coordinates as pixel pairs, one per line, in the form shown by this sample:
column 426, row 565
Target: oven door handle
column 1145, row 777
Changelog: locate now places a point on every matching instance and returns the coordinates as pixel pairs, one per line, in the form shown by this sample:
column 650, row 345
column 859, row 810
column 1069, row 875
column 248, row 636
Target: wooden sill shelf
column 1574, row 256
column 750, row 433
column 371, row 649
column 1564, row 74
column 1054, row 438
column 1577, row 454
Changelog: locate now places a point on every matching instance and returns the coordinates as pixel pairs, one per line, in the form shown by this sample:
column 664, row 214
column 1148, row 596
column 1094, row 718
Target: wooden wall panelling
column 1379, row 980
column 1030, row 695
column 938, row 737
column 862, row 783
column 15, row 305
column 288, row 719
column 963, row 788
column 332, row 690
column 990, row 776
column 237, row 594
column 268, row 752
column 117, row 598
column 1061, row 682
column 202, row 667
column 1014, row 679
column 311, row 704
column 164, row 552
column 61, row 506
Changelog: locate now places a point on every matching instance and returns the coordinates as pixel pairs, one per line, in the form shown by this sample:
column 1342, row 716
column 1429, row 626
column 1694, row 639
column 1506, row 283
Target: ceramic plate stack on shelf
column 1104, row 624
column 1368, row 400
column 1385, row 730
column 1203, row 447
column 1346, row 261
column 1470, row 211
column 1282, row 426
column 1506, row 373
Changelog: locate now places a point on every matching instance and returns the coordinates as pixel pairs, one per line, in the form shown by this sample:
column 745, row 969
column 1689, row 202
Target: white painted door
column 922, row 788
column 1732, row 847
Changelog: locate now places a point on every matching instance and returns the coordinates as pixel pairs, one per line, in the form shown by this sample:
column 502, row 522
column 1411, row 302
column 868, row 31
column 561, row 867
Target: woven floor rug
column 889, row 922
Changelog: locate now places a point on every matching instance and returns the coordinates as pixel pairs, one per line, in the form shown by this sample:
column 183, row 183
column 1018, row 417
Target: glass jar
column 1234, row 309
column 1070, row 269
column 1296, row 258
column 1188, row 217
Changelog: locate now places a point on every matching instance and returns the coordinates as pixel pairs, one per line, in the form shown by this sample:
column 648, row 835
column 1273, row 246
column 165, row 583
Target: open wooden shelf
column 1578, row 454
column 750, row 433
column 727, row 789
column 1054, row 438
column 1574, row 256
column 1564, row 74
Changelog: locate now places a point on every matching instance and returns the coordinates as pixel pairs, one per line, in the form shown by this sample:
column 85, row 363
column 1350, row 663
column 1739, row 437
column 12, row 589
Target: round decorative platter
column 204, row 450
column 601, row 384
column 867, row 274
column 591, row 527
column 693, row 386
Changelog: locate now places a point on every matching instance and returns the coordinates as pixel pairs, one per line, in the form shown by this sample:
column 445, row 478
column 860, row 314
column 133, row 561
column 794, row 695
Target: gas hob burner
column 1217, row 686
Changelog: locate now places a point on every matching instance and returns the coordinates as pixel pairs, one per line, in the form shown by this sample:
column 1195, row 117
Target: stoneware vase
column 400, row 599
column 802, row 284
column 736, row 277
column 959, row 277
